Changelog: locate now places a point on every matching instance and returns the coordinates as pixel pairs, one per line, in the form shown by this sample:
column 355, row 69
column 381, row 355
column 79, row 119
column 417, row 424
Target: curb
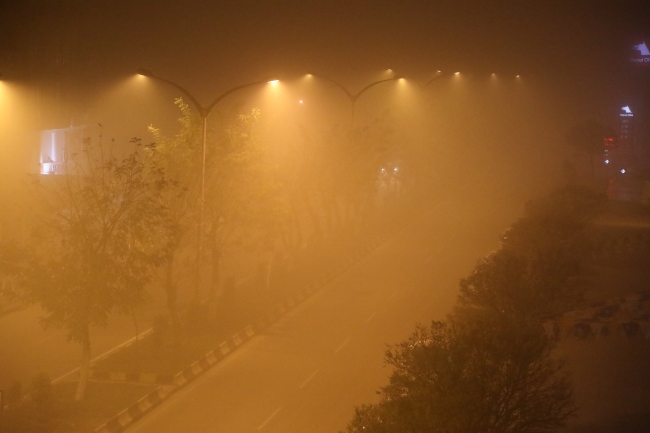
column 128, row 416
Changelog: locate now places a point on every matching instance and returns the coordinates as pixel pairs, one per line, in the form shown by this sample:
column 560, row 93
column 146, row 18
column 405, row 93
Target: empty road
column 308, row 371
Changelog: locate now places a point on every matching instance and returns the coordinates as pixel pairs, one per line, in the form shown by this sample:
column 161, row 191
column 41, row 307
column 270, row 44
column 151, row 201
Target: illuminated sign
column 643, row 54
column 626, row 112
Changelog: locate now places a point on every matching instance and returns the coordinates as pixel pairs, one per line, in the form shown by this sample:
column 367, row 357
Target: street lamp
column 353, row 97
column 203, row 112
column 439, row 74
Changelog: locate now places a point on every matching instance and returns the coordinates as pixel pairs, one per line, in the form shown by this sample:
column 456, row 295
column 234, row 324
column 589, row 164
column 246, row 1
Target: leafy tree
column 537, row 271
column 557, row 220
column 96, row 238
column 180, row 157
column 244, row 207
column 241, row 201
column 492, row 377
column 510, row 283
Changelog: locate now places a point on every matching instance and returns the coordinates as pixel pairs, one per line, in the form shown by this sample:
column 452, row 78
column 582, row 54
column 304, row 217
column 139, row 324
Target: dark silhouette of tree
column 537, row 271
column 536, row 285
column 481, row 377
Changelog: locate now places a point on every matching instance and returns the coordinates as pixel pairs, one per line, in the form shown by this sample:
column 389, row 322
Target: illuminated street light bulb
column 622, row 171
column 274, row 82
column 300, row 101
column 607, row 161
column 389, row 70
column 145, row 72
column 395, row 169
column 518, row 76
column 438, row 71
column 456, row 73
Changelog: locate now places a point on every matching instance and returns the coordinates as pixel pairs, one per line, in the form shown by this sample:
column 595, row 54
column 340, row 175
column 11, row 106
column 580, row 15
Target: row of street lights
column 204, row 111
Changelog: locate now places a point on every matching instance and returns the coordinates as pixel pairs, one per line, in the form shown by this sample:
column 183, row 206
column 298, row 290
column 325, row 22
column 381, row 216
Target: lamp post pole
column 353, row 97
column 203, row 112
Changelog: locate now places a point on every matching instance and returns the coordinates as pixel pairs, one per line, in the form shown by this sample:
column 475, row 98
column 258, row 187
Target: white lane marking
column 393, row 295
column 243, row 280
column 103, row 355
column 371, row 316
column 343, row 345
column 302, row 385
column 269, row 418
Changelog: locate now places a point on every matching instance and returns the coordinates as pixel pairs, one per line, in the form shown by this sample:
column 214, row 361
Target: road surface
column 308, row 371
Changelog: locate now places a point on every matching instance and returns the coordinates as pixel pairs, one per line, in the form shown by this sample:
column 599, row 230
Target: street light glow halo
column 145, row 72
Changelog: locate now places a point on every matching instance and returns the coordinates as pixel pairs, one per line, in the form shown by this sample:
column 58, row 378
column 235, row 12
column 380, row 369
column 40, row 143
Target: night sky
column 211, row 43
column 575, row 52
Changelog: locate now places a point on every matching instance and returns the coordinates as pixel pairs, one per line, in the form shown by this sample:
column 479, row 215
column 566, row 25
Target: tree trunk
column 170, row 291
column 84, row 369
column 215, row 283
column 316, row 234
column 268, row 271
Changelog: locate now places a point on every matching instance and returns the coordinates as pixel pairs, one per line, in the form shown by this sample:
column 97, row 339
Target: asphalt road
column 308, row 371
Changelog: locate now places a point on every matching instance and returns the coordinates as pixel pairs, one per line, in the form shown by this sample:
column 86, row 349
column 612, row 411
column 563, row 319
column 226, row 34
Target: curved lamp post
column 203, row 111
column 428, row 83
column 353, row 97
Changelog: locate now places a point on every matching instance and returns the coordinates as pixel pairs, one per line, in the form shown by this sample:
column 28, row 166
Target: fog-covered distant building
column 58, row 146
column 629, row 163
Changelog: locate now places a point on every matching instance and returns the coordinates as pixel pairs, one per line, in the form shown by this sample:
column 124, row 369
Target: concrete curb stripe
column 124, row 418
column 136, row 411
column 196, row 368
column 179, row 379
column 211, row 358
column 144, row 404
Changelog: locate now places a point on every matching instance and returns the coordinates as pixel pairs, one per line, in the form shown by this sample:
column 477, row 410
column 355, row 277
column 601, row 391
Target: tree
column 464, row 378
column 557, row 220
column 97, row 236
column 535, row 285
column 180, row 157
column 537, row 271
column 243, row 204
column 241, row 193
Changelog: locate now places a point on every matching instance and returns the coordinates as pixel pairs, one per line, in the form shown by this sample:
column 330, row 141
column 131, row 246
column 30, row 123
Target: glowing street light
column 353, row 97
column 428, row 83
column 203, row 111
